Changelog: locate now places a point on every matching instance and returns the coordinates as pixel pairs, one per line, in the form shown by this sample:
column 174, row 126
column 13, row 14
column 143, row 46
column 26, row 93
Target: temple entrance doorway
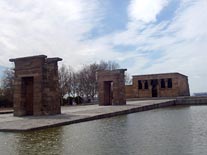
column 28, row 94
column 108, row 92
column 154, row 88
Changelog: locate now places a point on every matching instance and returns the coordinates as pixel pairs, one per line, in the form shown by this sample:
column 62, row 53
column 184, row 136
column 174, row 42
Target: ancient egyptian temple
column 158, row 85
column 36, row 90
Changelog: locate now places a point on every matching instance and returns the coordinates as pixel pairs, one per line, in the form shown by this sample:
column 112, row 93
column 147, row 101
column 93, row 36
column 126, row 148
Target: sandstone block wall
column 36, row 86
column 111, row 87
column 158, row 85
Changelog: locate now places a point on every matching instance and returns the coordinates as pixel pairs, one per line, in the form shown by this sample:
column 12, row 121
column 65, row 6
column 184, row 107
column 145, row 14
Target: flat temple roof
column 37, row 56
column 159, row 74
column 29, row 57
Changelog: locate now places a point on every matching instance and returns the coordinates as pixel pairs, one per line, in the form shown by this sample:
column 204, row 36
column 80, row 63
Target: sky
column 150, row 36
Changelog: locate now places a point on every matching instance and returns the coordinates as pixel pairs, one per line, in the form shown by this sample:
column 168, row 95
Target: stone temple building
column 111, row 87
column 36, row 90
column 158, row 85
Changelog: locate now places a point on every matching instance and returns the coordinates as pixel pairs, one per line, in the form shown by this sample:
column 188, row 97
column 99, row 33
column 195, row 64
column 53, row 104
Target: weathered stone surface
column 158, row 85
column 111, row 87
column 36, row 86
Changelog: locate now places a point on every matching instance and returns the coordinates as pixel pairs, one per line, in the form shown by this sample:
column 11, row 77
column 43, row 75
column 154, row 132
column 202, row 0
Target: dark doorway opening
column 169, row 83
column 28, row 94
column 154, row 88
column 108, row 92
column 146, row 85
column 139, row 84
column 162, row 83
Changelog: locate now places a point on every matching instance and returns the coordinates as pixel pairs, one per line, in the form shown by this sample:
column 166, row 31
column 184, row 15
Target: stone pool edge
column 128, row 109
column 98, row 116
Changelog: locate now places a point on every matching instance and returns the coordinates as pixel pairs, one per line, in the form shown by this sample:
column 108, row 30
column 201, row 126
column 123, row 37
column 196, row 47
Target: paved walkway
column 76, row 114
column 6, row 110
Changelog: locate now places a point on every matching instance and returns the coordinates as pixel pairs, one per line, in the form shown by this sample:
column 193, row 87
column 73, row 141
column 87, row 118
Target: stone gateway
column 36, row 90
column 111, row 87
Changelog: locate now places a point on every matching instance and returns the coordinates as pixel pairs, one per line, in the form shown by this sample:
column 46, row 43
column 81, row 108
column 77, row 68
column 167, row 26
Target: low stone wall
column 186, row 100
column 191, row 101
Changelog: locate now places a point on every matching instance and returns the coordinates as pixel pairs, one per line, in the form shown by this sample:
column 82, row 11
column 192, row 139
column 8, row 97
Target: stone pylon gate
column 111, row 87
column 36, row 90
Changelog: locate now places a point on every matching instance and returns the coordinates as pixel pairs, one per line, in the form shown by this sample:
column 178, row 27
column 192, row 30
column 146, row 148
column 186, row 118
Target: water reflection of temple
column 47, row 141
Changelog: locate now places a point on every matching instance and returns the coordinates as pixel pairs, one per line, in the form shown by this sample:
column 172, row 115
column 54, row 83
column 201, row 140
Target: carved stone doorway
column 154, row 88
column 108, row 92
column 28, row 94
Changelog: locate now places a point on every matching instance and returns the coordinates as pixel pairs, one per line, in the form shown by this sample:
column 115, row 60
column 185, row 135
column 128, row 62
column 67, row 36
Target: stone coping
column 29, row 57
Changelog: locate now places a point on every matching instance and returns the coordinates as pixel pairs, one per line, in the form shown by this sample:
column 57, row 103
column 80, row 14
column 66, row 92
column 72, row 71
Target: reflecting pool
column 179, row 130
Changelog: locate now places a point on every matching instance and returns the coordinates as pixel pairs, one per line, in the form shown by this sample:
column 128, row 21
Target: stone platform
column 77, row 114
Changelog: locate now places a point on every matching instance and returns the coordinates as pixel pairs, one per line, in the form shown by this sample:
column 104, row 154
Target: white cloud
column 50, row 27
column 58, row 28
column 180, row 42
column 191, row 20
column 146, row 10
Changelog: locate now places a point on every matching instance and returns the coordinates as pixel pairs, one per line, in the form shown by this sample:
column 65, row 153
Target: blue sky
column 150, row 36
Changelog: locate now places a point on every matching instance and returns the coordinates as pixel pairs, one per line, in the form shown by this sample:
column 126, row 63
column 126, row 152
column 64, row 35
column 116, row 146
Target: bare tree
column 128, row 79
column 108, row 65
column 87, row 80
column 63, row 81
column 7, row 85
column 93, row 68
column 73, row 85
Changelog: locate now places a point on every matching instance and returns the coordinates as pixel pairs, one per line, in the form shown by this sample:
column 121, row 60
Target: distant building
column 200, row 94
column 158, row 85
